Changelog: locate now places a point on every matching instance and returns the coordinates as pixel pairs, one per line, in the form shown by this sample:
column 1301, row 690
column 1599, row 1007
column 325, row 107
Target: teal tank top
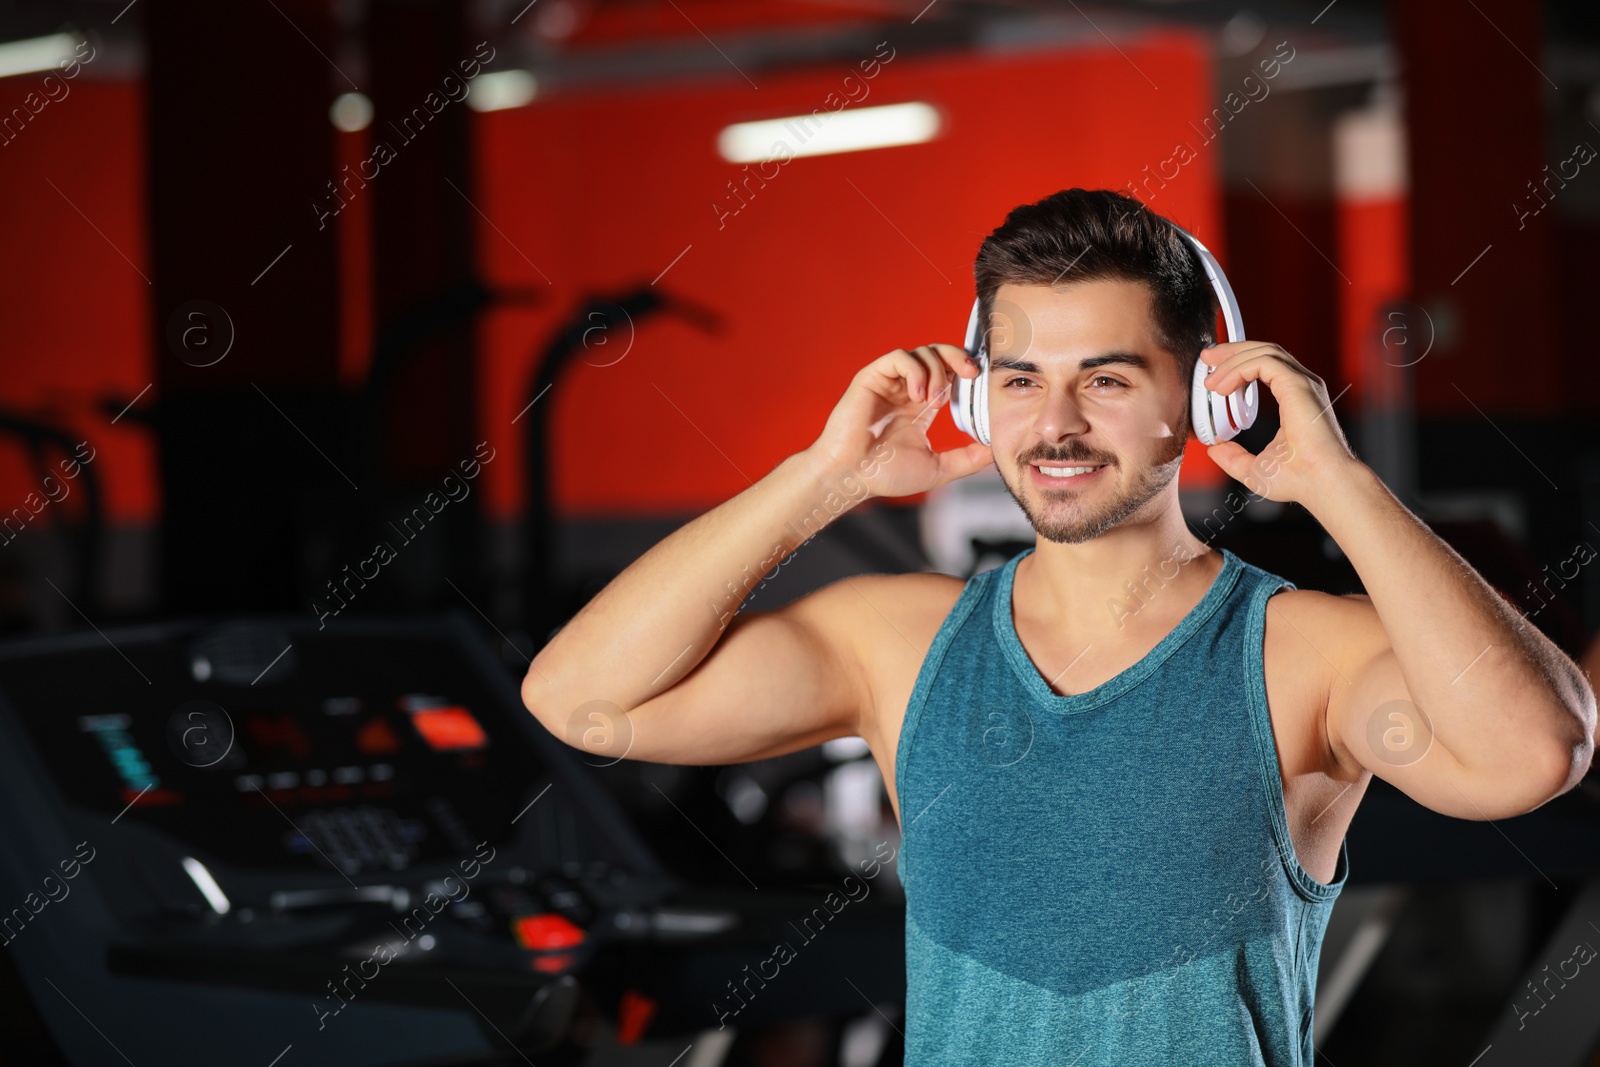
column 1104, row 879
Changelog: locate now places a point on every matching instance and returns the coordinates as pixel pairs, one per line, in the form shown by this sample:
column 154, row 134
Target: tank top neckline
column 1011, row 644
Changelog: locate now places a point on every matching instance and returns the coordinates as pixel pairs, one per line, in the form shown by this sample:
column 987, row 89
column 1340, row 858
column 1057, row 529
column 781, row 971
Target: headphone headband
column 1232, row 321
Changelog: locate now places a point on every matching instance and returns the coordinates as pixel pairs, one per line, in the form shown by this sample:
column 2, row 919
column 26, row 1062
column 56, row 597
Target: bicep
column 774, row 682
column 1375, row 724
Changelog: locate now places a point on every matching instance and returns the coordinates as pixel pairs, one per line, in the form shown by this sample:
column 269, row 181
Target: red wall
column 74, row 313
column 1375, row 256
column 836, row 260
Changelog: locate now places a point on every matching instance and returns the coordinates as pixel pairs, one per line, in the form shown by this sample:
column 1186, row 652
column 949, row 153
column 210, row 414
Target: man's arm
column 1590, row 663
column 1443, row 689
column 1437, row 685
column 663, row 666
column 630, row 673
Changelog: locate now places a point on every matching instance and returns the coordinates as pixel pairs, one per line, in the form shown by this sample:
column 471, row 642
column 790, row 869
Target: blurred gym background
column 514, row 288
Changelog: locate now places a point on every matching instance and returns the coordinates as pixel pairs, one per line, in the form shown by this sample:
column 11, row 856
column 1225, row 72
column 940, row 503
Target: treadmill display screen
column 376, row 753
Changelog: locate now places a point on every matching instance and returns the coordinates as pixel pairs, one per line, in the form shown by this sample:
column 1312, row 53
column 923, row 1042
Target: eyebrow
column 1109, row 359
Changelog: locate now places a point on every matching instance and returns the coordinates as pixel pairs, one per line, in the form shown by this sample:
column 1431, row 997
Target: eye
column 1107, row 378
column 1012, row 381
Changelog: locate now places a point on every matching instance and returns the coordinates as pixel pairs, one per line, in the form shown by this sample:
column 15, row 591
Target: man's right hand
column 895, row 398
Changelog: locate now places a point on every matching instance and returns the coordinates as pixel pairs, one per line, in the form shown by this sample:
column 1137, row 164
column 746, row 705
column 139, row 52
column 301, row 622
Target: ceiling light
column 351, row 112
column 502, row 89
column 825, row 133
column 35, row 53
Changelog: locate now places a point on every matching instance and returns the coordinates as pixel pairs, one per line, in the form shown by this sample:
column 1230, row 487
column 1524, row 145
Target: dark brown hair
column 1081, row 234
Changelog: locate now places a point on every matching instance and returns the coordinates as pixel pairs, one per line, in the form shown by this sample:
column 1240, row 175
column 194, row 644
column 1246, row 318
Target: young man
column 1123, row 763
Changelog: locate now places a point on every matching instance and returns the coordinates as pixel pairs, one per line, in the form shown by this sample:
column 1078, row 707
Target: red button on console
column 543, row 933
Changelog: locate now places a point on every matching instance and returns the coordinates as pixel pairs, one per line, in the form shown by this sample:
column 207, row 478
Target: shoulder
column 1314, row 643
column 879, row 627
column 875, row 612
column 1337, row 629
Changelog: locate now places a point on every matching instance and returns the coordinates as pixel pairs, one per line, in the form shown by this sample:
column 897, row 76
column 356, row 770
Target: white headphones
column 1216, row 417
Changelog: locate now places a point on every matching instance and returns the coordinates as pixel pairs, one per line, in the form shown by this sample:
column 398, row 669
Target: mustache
column 1074, row 459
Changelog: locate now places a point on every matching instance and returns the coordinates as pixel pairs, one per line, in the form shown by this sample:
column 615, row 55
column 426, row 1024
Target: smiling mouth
column 1066, row 476
column 1067, row 472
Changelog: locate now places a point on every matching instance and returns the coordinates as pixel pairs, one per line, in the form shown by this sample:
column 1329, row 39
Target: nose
column 1058, row 416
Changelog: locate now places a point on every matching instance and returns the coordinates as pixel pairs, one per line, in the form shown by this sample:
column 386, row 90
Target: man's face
column 1078, row 379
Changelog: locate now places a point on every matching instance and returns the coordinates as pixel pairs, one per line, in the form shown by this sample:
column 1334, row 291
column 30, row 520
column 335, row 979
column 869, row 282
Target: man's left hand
column 1308, row 448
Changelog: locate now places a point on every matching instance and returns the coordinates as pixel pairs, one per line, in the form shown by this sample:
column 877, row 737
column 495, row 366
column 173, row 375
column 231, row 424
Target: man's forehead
column 1086, row 293
column 1103, row 322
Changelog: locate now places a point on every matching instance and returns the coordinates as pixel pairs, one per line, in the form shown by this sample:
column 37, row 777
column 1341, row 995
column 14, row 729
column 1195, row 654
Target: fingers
column 923, row 377
column 950, row 357
column 957, row 358
column 931, row 372
column 1217, row 355
column 1229, row 368
column 926, row 371
column 960, row 462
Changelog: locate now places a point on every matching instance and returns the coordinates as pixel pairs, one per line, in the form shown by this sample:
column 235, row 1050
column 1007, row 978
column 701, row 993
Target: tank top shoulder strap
column 976, row 592
column 1263, row 584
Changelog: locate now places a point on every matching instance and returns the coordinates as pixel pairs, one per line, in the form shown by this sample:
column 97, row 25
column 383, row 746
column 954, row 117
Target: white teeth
column 1066, row 472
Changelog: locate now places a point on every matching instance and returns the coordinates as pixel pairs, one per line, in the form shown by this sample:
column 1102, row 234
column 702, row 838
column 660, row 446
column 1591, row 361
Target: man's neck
column 1120, row 583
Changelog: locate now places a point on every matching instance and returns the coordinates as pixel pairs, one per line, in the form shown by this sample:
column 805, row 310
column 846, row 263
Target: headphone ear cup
column 961, row 405
column 969, row 407
column 1243, row 404
column 1200, row 413
column 1222, row 429
column 981, row 390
